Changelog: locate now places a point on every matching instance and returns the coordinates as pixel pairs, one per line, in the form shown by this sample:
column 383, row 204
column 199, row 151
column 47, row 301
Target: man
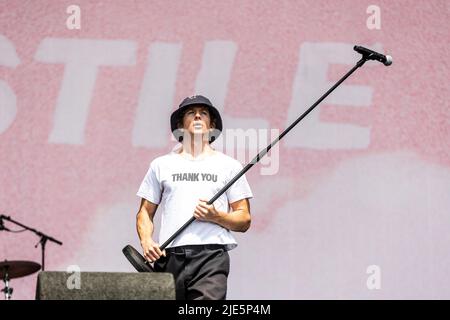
column 181, row 183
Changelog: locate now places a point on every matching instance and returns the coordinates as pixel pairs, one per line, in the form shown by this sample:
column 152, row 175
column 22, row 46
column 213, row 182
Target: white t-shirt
column 176, row 184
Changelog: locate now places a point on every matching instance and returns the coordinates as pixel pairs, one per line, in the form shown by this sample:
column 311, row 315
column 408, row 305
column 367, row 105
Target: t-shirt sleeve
column 240, row 189
column 150, row 187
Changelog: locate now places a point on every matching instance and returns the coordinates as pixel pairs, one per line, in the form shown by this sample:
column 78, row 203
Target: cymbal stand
column 7, row 290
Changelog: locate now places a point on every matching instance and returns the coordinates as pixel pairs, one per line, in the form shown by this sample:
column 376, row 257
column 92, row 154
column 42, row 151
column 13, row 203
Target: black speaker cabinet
column 58, row 285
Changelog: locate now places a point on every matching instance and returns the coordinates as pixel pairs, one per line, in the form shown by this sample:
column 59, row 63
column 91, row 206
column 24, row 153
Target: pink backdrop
column 364, row 181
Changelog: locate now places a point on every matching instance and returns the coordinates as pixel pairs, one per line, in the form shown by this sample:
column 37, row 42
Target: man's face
column 196, row 120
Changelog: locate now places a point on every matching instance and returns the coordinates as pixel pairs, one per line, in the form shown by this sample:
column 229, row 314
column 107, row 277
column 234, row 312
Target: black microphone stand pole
column 264, row 151
column 43, row 236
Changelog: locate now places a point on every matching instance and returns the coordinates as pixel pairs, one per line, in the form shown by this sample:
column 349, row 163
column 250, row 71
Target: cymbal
column 17, row 269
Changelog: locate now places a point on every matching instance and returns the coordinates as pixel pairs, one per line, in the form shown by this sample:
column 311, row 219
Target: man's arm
column 238, row 220
column 144, row 226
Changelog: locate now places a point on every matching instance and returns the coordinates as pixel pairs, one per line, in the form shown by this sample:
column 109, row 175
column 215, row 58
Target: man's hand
column 152, row 252
column 205, row 212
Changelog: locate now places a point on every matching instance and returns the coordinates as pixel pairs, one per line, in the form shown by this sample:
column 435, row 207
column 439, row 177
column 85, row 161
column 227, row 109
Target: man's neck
column 192, row 151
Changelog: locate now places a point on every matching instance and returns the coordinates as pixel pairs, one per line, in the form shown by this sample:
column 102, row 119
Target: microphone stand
column 43, row 237
column 2, row 226
column 359, row 64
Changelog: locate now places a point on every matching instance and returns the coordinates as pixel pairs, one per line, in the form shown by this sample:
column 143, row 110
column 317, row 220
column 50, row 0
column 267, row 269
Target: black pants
column 200, row 271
